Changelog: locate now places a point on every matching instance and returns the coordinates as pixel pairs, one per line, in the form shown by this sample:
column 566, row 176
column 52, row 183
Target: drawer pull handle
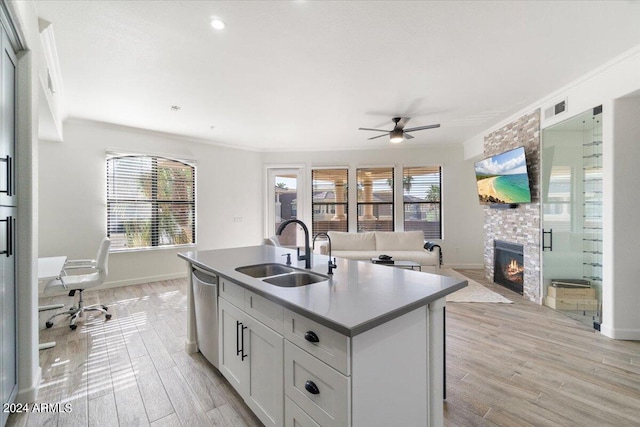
column 311, row 336
column 311, row 387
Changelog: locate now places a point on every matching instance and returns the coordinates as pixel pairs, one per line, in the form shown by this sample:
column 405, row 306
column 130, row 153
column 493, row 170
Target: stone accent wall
column 522, row 224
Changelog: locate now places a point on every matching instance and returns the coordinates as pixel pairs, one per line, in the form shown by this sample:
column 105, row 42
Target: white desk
column 50, row 268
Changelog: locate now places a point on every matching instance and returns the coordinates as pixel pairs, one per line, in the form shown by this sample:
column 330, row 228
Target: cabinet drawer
column 329, row 405
column 332, row 347
column 232, row 292
column 266, row 311
column 296, row 417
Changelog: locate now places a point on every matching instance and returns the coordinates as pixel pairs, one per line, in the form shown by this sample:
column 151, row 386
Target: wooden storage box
column 571, row 293
column 575, row 304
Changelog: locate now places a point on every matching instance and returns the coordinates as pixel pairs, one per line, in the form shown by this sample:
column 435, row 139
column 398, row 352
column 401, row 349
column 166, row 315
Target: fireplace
column 508, row 266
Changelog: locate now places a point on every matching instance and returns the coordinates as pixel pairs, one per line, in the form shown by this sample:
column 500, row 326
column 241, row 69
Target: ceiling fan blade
column 379, row 136
column 376, row 130
column 422, row 128
column 403, row 122
column 407, row 136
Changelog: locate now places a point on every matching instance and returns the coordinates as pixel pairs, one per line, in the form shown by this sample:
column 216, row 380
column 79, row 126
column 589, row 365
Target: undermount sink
column 264, row 270
column 281, row 275
column 295, row 279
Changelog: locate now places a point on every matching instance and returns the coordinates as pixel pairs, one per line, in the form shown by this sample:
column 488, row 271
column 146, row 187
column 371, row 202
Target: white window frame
column 118, row 153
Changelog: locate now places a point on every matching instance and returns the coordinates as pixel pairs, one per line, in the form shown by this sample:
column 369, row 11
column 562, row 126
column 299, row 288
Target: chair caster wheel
column 73, row 327
column 48, row 324
column 108, row 316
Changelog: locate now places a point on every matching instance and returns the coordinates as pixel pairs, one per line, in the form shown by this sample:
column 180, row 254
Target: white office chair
column 271, row 241
column 94, row 273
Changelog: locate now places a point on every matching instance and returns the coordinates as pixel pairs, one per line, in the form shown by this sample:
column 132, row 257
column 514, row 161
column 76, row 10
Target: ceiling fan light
column 396, row 136
column 217, row 24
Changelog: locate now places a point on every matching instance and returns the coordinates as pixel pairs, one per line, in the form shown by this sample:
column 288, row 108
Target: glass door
column 572, row 216
column 284, row 202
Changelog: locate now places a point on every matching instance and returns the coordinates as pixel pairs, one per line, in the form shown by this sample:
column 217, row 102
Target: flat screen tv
column 503, row 179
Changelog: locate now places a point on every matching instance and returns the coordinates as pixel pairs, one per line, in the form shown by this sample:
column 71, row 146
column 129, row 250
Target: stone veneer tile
column 522, row 224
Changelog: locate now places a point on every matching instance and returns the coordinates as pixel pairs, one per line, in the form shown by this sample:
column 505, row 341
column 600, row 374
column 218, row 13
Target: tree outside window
column 150, row 202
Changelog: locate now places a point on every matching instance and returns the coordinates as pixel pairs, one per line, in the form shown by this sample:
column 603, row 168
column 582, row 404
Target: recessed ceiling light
column 175, row 107
column 217, row 24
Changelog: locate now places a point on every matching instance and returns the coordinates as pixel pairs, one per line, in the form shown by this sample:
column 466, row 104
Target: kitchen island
column 362, row 347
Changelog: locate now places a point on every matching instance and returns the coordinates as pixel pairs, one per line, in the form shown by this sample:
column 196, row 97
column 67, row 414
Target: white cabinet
column 324, row 343
column 311, row 375
column 295, row 416
column 251, row 358
column 231, row 355
column 7, row 123
column 317, row 388
column 388, row 375
column 8, row 219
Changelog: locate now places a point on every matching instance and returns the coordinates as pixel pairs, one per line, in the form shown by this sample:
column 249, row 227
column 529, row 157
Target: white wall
column 621, row 317
column 615, row 79
column 462, row 245
column 607, row 86
column 72, row 197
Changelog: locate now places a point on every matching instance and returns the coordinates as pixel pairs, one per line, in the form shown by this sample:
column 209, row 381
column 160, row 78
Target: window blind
column 375, row 199
column 422, row 205
column 150, row 202
column 330, row 200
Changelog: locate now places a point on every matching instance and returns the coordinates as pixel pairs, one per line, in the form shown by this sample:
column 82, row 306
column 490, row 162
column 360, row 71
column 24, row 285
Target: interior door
column 572, row 206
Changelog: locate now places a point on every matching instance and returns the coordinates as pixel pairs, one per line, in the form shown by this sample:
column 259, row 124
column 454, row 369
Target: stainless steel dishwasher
column 205, row 298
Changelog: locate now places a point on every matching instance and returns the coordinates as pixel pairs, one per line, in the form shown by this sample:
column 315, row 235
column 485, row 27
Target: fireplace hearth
column 508, row 266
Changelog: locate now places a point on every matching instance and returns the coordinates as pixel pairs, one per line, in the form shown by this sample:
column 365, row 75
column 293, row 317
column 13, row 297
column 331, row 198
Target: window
column 330, row 207
column 150, row 202
column 421, row 194
column 375, row 199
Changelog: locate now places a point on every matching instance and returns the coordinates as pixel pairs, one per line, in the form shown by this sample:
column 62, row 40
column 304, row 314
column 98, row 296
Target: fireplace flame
column 513, row 271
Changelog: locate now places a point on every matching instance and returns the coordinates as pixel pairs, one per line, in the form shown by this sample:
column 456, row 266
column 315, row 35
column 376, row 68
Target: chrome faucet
column 332, row 265
column 307, row 250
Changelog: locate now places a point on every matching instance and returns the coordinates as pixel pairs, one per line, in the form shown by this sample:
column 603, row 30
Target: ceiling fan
column 399, row 133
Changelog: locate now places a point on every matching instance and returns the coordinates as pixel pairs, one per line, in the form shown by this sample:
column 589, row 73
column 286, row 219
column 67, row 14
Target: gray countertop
column 358, row 297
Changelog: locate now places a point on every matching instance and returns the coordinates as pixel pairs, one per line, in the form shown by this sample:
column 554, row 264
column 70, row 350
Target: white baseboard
column 30, row 394
column 134, row 281
column 620, row 333
column 190, row 347
column 140, row 280
column 465, row 266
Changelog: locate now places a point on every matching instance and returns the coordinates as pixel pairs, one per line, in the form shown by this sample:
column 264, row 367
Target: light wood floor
column 514, row 364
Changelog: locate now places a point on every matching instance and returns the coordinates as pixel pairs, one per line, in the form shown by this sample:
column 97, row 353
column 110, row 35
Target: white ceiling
column 299, row 75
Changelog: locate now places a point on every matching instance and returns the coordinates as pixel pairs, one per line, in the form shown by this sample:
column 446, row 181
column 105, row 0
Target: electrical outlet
column 237, row 219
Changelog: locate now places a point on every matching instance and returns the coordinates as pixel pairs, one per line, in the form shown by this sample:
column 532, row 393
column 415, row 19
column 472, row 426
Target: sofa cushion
column 357, row 255
column 422, row 257
column 341, row 241
column 399, row 240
